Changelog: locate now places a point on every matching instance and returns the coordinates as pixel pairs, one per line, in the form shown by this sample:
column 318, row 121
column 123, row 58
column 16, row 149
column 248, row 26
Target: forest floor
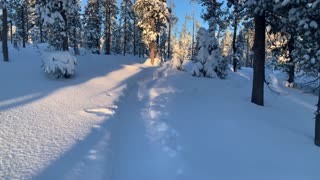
column 119, row 119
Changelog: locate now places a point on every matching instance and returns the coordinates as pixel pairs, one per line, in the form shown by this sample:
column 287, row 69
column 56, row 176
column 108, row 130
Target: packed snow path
column 119, row 120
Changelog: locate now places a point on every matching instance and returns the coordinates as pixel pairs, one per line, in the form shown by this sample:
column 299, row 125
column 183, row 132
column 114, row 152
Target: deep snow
column 118, row 119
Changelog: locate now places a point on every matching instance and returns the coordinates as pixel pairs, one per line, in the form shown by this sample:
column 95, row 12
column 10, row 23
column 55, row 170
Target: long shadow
column 79, row 152
column 23, row 81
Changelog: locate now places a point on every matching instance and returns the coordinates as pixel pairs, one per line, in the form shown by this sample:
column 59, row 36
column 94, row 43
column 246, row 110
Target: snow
column 119, row 119
column 59, row 63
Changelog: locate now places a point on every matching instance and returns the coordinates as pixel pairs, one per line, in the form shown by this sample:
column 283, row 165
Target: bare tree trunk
column 234, row 47
column 317, row 125
column 259, row 61
column 169, row 41
column 247, row 52
column 5, row 35
column 125, row 37
column 65, row 46
column 108, row 30
column 291, row 62
column 134, row 32
column 23, row 26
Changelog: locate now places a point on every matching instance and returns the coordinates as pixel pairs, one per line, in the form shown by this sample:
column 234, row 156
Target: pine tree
column 214, row 15
column 117, row 45
column 209, row 62
column 57, row 23
column 152, row 15
column 39, row 13
column 92, row 26
column 126, row 16
column 110, row 13
column 74, row 25
column 240, row 45
column 172, row 20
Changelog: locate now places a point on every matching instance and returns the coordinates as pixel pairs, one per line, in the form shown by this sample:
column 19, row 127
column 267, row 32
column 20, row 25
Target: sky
column 182, row 8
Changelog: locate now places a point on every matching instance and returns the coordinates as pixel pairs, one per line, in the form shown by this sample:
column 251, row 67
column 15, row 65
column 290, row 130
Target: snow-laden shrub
column 59, row 63
column 209, row 62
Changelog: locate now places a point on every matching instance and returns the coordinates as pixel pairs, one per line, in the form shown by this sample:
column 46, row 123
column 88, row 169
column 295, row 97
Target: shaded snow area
column 117, row 119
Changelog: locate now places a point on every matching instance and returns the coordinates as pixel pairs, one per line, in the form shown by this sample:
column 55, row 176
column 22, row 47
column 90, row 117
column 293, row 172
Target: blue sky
column 183, row 8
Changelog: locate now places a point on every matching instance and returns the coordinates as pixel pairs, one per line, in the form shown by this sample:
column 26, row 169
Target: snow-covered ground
column 118, row 119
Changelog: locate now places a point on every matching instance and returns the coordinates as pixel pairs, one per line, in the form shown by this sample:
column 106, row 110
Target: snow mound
column 157, row 62
column 275, row 84
column 187, row 66
column 59, row 63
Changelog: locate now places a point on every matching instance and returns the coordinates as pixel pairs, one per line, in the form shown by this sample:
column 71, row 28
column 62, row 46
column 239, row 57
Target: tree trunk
column 259, row 61
column 5, row 35
column 317, row 125
column 41, row 32
column 234, row 47
column 134, row 33
column 125, row 37
column 108, row 31
column 11, row 32
column 291, row 62
column 169, row 41
column 65, row 46
column 23, row 26
column 152, row 52
column 247, row 52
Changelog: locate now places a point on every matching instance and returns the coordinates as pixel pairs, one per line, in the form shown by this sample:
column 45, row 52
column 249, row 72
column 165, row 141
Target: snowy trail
column 131, row 148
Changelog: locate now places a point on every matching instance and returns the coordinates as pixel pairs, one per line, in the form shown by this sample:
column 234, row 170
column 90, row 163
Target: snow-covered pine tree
column 305, row 17
column 152, row 15
column 92, row 26
column 40, row 13
column 163, row 39
column 117, row 38
column 56, row 21
column 172, row 21
column 20, row 18
column 240, row 45
column 214, row 15
column 209, row 62
column 238, row 13
column 110, row 14
column 126, row 18
column 74, row 25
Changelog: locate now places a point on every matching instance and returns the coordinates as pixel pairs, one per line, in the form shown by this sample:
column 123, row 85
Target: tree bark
column 317, row 124
column 259, row 61
column 5, row 35
column 108, row 30
column 23, row 26
column 169, row 41
column 65, row 46
column 291, row 62
column 234, row 47
column 134, row 33
column 125, row 37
